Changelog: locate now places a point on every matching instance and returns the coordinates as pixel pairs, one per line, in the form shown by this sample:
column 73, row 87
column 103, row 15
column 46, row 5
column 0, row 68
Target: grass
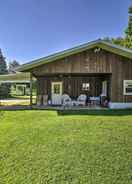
column 18, row 100
column 13, row 103
column 22, row 97
column 49, row 147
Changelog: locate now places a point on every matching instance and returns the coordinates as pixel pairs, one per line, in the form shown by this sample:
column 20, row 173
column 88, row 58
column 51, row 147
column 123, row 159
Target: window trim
column 85, row 89
column 124, row 87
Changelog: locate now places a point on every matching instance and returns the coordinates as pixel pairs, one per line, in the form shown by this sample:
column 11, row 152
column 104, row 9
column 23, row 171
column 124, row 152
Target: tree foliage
column 3, row 66
column 12, row 66
column 118, row 41
column 128, row 31
column 125, row 41
column 4, row 87
column 130, row 9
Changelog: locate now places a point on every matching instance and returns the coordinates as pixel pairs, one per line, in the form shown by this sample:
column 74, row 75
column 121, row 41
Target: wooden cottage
column 93, row 69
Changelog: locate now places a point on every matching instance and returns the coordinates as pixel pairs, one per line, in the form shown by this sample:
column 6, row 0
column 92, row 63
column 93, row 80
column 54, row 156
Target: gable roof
column 122, row 51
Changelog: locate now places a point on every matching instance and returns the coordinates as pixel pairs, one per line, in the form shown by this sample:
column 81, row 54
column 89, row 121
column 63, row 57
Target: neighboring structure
column 93, row 68
column 20, row 83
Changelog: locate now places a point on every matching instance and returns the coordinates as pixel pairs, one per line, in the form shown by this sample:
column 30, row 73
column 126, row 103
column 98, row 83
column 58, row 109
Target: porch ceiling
column 60, row 75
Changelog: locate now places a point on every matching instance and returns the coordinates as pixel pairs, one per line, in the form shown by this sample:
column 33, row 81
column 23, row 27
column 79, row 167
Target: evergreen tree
column 3, row 66
column 4, row 87
column 128, row 31
column 125, row 41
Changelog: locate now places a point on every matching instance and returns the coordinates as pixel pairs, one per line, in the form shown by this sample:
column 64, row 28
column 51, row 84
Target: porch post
column 31, row 87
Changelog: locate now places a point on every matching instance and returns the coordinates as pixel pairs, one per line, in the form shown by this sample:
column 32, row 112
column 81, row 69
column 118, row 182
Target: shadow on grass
column 69, row 112
column 1, row 114
column 14, row 107
column 108, row 112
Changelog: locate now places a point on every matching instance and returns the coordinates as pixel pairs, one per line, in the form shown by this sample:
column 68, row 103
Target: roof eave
column 99, row 43
column 27, row 67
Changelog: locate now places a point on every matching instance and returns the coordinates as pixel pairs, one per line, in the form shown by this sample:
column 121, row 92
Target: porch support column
column 31, row 89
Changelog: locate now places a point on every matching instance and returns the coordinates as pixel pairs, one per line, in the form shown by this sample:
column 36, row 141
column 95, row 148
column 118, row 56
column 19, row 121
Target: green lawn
column 49, row 147
column 22, row 97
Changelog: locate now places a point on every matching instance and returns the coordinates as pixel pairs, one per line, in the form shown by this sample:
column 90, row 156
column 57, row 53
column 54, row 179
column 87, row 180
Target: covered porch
column 52, row 87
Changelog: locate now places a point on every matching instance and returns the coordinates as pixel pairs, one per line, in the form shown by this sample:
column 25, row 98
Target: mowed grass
column 47, row 147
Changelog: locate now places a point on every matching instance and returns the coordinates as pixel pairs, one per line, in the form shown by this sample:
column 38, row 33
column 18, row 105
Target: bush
column 5, row 90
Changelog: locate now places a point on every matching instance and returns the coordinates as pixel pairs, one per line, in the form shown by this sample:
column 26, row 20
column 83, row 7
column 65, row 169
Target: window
column 85, row 86
column 127, row 87
column 56, row 88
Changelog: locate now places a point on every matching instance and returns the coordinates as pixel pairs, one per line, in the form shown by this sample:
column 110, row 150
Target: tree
column 118, row 41
column 4, row 87
column 128, row 31
column 125, row 41
column 3, row 66
column 12, row 66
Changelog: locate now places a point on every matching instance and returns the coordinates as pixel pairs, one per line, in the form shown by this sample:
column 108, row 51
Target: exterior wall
column 121, row 71
column 89, row 62
column 85, row 62
column 72, row 85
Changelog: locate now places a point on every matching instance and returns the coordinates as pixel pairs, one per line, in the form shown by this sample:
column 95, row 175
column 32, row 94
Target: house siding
column 72, row 85
column 88, row 62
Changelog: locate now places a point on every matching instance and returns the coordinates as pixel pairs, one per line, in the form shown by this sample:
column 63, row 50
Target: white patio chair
column 66, row 100
column 81, row 100
column 95, row 100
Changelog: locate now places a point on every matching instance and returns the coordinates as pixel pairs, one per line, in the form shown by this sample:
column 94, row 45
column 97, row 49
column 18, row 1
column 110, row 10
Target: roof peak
column 74, row 50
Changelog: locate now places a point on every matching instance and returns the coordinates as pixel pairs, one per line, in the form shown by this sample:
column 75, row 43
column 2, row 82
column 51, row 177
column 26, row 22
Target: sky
column 31, row 29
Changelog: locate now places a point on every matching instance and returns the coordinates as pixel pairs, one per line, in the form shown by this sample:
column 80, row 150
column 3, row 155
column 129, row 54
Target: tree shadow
column 108, row 112
column 14, row 107
column 69, row 112
column 1, row 114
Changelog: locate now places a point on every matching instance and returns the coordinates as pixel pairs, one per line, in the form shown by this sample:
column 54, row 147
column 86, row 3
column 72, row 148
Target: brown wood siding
column 89, row 62
column 122, row 70
column 85, row 62
column 72, row 85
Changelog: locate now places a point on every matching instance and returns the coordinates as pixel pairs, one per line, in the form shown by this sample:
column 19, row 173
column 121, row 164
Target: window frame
column 125, row 87
column 85, row 88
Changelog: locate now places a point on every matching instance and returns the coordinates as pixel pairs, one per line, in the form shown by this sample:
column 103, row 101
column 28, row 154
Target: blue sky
column 31, row 29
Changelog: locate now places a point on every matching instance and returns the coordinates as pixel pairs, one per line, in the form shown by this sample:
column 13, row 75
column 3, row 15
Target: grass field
column 17, row 100
column 22, row 97
column 49, row 147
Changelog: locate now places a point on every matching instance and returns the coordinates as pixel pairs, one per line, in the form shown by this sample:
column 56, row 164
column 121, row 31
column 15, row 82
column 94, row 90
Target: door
column 56, row 93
